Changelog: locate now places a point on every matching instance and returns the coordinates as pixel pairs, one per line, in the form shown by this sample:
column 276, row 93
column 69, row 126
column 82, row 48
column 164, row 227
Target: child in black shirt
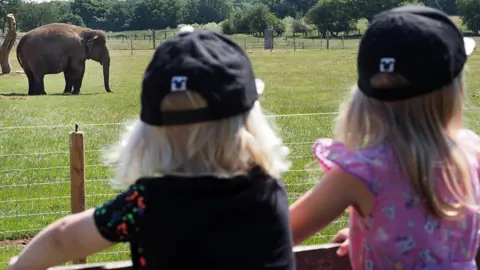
column 202, row 167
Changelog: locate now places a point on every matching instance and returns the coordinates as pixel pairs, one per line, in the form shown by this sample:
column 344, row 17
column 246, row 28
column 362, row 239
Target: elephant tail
column 19, row 52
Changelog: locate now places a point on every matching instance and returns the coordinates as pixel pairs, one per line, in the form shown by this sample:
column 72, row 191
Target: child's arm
column 72, row 237
column 326, row 201
column 83, row 234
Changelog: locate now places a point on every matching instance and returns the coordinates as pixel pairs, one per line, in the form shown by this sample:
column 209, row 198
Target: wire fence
column 36, row 180
column 248, row 43
column 149, row 41
column 35, row 185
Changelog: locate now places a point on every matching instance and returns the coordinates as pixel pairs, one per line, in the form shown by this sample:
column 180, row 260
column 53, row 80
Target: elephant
column 61, row 47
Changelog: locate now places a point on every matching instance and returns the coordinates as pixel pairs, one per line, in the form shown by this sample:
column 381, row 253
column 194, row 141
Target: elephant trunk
column 106, row 72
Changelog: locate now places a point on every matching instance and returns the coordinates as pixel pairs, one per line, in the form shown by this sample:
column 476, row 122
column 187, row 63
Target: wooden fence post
column 131, row 46
column 294, row 42
column 328, row 40
column 77, row 176
column 321, row 40
column 154, row 39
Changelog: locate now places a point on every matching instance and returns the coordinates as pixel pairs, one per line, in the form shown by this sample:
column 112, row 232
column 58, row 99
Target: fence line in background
column 124, row 123
column 266, row 42
column 297, row 41
column 268, row 39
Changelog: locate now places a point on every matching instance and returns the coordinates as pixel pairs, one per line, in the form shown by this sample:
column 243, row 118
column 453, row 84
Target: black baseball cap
column 205, row 62
column 420, row 43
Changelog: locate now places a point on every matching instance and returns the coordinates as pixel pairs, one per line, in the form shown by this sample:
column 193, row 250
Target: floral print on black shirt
column 119, row 219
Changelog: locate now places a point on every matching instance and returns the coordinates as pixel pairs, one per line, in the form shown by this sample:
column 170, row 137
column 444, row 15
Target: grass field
column 34, row 185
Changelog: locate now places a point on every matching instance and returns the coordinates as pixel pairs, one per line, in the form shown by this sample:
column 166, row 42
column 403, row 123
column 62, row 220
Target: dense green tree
column 299, row 25
column 93, row 13
column 33, row 15
column 259, row 18
column 157, row 14
column 237, row 22
column 447, row 6
column 412, row 2
column 71, row 19
column 369, row 8
column 119, row 16
column 469, row 11
column 302, row 5
column 212, row 10
column 236, row 16
column 281, row 8
column 6, row 7
column 333, row 16
column 254, row 19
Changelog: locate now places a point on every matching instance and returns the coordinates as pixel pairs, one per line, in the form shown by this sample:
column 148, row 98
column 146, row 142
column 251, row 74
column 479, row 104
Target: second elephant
column 60, row 47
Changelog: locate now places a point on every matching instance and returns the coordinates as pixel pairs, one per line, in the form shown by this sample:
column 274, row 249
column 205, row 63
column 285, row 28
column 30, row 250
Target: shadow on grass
column 13, row 95
column 69, row 94
column 53, row 94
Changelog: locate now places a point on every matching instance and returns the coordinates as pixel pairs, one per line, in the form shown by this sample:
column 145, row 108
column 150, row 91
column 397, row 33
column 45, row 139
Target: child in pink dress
column 402, row 159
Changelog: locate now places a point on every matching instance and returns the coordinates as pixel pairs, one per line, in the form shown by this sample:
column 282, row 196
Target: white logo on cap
column 387, row 64
column 179, row 83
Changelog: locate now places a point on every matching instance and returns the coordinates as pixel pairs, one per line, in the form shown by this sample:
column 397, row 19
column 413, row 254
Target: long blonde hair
column 423, row 132
column 223, row 148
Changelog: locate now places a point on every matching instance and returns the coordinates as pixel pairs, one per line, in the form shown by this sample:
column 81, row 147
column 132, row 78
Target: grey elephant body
column 59, row 47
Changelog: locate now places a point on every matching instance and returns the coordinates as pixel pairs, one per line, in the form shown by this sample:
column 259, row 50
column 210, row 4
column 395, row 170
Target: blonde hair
column 223, row 148
column 423, row 131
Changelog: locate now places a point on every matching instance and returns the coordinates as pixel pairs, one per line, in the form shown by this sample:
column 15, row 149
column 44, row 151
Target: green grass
column 305, row 81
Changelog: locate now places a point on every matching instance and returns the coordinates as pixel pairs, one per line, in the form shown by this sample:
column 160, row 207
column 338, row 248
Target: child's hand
column 342, row 238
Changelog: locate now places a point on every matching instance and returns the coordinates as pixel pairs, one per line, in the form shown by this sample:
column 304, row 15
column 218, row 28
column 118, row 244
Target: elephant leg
column 77, row 75
column 31, row 82
column 68, row 81
column 39, row 86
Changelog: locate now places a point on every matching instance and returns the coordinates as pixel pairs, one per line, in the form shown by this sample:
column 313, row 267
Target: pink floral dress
column 399, row 232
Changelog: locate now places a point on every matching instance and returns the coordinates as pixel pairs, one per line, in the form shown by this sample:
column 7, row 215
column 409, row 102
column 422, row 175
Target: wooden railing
column 307, row 257
column 310, row 257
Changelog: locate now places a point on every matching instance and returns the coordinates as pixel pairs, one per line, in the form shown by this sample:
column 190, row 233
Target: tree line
column 233, row 16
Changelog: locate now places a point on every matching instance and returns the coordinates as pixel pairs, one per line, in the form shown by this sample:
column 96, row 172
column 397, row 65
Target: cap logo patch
column 179, row 83
column 387, row 64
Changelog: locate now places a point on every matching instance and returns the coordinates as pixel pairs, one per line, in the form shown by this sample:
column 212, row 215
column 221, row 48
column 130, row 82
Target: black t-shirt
column 203, row 222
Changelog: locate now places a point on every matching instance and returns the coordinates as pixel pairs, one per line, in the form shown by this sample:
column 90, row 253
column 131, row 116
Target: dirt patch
column 266, row 51
column 13, row 97
column 13, row 73
column 11, row 243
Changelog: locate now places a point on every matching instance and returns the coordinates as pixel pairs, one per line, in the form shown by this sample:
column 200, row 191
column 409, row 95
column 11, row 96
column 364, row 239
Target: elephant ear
column 90, row 43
